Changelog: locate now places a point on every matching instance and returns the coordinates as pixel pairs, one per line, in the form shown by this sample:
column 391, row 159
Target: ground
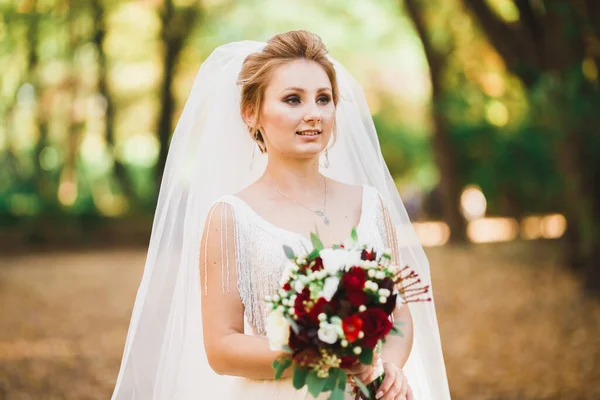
column 514, row 324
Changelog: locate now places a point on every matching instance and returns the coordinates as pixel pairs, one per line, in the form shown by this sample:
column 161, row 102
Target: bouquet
column 334, row 310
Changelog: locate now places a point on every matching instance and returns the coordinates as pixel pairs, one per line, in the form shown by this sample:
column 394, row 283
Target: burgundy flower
column 287, row 286
column 317, row 264
column 352, row 326
column 299, row 306
column 296, row 342
column 348, row 361
column 354, row 280
column 368, row 255
column 317, row 309
column 376, row 325
column 357, row 299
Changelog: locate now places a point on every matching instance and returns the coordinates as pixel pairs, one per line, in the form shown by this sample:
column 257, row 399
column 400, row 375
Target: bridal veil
column 211, row 154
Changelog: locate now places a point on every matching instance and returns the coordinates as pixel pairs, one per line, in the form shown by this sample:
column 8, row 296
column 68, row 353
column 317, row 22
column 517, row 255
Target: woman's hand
column 395, row 385
column 365, row 373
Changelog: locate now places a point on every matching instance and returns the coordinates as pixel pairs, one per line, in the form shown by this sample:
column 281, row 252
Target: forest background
column 487, row 112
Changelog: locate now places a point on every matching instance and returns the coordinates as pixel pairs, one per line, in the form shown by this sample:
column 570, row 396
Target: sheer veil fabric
column 212, row 155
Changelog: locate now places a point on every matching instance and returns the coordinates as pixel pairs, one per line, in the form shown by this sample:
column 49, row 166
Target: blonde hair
column 280, row 49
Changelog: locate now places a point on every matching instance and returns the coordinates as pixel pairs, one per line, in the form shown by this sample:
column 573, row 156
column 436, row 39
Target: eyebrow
column 296, row 89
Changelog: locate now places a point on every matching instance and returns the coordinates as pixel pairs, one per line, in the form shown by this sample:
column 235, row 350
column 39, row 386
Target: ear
column 249, row 117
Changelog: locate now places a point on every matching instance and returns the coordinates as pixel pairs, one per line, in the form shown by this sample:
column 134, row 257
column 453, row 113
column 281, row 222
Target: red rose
column 352, row 326
column 354, row 280
column 287, row 286
column 348, row 361
column 376, row 325
column 357, row 298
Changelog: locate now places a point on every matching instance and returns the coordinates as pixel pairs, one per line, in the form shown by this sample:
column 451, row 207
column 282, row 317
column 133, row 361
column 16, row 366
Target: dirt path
column 513, row 324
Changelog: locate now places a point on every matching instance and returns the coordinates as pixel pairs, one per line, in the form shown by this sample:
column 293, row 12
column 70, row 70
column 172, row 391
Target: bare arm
column 397, row 348
column 228, row 349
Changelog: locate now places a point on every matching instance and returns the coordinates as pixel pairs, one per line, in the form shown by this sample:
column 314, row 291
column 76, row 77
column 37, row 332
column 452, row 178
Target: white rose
column 353, row 258
column 327, row 333
column 333, row 260
column 330, row 287
column 278, row 330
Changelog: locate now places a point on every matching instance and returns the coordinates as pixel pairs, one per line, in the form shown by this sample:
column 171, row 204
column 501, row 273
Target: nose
column 313, row 114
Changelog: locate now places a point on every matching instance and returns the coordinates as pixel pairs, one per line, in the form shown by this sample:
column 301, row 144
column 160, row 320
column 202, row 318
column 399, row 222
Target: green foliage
column 280, row 365
column 366, row 356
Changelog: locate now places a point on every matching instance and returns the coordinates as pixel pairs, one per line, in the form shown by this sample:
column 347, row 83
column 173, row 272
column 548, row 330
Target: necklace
column 320, row 213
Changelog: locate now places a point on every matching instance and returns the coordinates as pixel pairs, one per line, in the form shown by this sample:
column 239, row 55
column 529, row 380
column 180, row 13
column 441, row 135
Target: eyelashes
column 295, row 100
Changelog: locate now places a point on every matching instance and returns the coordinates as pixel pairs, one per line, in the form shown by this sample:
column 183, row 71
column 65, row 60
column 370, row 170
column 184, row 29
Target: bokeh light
column 473, row 203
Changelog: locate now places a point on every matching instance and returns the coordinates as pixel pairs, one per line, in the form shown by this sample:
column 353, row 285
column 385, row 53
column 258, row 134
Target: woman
column 197, row 329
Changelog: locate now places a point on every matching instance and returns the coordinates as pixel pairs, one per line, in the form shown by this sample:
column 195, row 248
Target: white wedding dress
column 259, row 262
column 211, row 156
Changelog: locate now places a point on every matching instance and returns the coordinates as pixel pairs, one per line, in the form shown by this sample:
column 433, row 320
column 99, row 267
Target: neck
column 294, row 177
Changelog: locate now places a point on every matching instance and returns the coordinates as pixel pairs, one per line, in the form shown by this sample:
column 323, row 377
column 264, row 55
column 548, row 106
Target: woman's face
column 298, row 111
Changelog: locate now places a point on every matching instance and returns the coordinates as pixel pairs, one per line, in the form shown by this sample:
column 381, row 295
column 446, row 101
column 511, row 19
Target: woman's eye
column 292, row 100
column 324, row 99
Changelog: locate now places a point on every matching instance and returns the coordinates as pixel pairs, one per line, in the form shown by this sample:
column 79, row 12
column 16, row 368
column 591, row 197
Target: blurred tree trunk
column 546, row 49
column 42, row 179
column 177, row 25
column 99, row 13
column 442, row 145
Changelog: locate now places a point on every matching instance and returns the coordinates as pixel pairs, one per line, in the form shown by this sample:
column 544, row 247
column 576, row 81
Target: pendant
column 322, row 214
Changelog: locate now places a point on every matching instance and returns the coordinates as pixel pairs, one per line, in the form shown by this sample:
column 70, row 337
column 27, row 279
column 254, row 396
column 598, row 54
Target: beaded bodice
column 259, row 255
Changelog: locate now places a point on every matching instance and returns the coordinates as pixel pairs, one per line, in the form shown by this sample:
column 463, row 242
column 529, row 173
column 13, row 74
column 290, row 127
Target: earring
column 252, row 158
column 326, row 165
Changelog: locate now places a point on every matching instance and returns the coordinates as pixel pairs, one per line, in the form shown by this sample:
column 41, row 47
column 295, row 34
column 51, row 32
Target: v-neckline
column 297, row 234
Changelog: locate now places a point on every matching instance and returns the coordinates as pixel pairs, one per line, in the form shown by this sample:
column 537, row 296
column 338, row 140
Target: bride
column 225, row 210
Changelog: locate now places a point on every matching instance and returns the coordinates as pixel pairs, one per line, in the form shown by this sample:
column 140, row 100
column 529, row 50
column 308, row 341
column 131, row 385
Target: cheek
column 279, row 116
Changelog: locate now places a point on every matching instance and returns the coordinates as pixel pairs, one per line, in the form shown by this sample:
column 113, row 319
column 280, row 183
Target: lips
column 309, row 132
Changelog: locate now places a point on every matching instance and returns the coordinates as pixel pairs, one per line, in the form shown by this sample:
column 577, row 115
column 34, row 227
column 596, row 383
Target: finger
column 390, row 375
column 395, row 388
column 410, row 394
column 403, row 388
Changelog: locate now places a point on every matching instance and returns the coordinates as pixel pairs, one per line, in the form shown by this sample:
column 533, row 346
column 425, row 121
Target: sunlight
column 489, row 230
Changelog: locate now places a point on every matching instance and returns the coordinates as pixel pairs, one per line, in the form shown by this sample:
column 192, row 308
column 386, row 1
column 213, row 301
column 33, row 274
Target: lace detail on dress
column 259, row 255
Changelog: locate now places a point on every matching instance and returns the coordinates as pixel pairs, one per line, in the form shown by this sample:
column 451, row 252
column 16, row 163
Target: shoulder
column 220, row 215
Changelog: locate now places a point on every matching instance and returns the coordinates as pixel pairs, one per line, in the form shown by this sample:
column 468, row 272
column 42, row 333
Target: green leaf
column 354, row 235
column 366, row 357
column 313, row 254
column 289, row 253
column 337, row 394
column 331, row 380
column 315, row 384
column 299, row 377
column 281, row 366
column 362, row 387
column 341, row 383
column 396, row 331
column 316, row 242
